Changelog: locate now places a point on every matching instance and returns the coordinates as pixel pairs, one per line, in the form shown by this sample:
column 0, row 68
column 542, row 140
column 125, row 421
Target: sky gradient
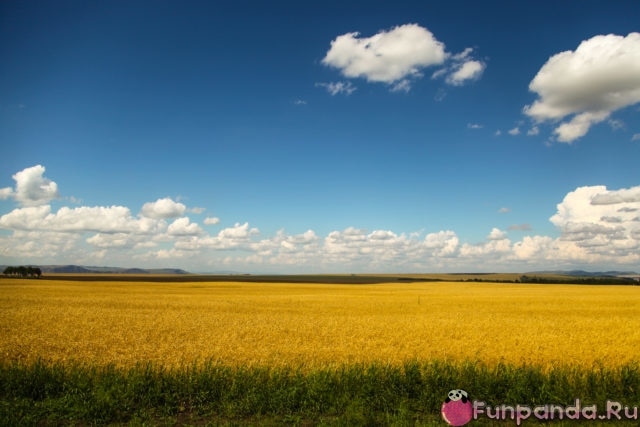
column 309, row 137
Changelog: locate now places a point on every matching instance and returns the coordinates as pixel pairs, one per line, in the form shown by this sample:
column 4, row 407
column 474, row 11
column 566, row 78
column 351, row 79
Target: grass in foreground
column 214, row 394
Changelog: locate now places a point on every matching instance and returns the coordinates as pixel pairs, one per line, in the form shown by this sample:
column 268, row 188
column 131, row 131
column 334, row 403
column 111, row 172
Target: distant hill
column 107, row 270
column 583, row 273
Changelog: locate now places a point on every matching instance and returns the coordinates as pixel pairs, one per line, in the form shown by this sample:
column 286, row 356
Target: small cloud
column 401, row 86
column 440, row 95
column 504, row 210
column 515, row 131
column 467, row 71
column 616, row 124
column 520, row 227
column 197, row 210
column 498, row 132
column 635, row 137
column 497, row 234
column 163, row 209
column 5, row 193
column 32, row 188
column 299, row 102
column 211, row 220
column 474, row 126
column 533, row 131
column 335, row 88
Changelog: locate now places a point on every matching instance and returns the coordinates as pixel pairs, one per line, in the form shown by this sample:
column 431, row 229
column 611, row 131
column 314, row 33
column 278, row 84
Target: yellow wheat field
column 316, row 325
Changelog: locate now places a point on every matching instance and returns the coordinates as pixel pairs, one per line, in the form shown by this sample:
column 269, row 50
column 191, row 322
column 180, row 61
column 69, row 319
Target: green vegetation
column 214, row 394
column 22, row 271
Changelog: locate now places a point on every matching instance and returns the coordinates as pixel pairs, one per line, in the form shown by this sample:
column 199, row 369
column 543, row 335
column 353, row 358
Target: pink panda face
column 456, row 409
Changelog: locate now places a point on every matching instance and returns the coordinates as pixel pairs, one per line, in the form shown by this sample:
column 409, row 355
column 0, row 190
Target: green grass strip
column 377, row 394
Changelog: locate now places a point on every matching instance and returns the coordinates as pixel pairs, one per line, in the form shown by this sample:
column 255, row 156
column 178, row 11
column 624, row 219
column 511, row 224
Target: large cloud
column 601, row 76
column 601, row 221
column 397, row 55
column 113, row 219
column 32, row 188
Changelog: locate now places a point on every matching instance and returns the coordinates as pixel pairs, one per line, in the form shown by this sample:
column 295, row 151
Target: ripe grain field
column 317, row 325
column 249, row 353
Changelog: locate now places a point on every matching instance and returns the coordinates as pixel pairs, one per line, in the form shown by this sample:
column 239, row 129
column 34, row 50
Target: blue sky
column 321, row 136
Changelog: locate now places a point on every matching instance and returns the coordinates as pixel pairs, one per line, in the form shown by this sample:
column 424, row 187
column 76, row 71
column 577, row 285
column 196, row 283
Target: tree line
column 23, row 271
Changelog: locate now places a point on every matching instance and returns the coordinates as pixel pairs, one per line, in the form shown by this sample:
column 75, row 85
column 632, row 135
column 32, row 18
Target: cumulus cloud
column 32, row 188
column 183, row 227
column 464, row 69
column 597, row 226
column 442, row 243
column 635, row 137
column 398, row 55
column 601, row 221
column 601, row 76
column 515, row 131
column 113, row 219
column 163, row 209
column 496, row 234
column 211, row 220
column 387, row 56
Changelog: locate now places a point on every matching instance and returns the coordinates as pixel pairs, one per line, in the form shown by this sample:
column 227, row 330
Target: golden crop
column 317, row 325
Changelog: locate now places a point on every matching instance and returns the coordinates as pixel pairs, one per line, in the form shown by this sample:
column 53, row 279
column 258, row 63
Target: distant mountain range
column 583, row 273
column 106, row 270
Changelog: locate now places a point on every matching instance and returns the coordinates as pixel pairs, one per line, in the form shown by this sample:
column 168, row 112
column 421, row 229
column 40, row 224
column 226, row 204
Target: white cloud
column 442, row 243
column 401, row 86
column 597, row 227
column 211, row 220
column 335, row 88
column 32, row 188
column 460, row 69
column 468, row 70
column 498, row 132
column 515, row 131
column 533, row 131
column 163, row 209
column 117, row 240
column 5, row 193
column 600, row 221
column 387, row 56
column 635, row 137
column 504, row 210
column 113, row 219
column 399, row 55
column 497, row 234
column 183, row 227
column 474, row 126
column 601, row 76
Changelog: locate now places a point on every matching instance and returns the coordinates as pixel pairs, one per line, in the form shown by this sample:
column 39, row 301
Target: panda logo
column 457, row 409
